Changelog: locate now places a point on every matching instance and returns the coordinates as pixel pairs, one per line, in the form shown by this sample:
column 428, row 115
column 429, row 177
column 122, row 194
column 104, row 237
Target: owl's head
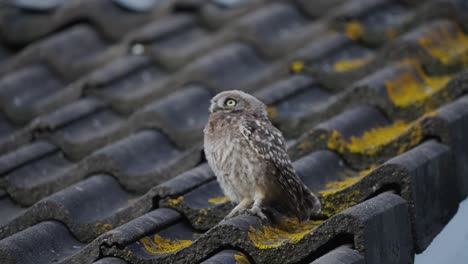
column 237, row 101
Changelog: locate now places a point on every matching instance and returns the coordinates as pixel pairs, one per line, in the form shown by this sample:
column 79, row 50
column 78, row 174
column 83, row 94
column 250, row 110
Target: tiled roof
column 103, row 104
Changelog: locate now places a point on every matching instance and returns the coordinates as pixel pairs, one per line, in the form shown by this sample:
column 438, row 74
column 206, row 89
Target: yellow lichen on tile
column 371, row 140
column 448, row 46
column 219, row 199
column 333, row 197
column 416, row 136
column 272, row 111
column 354, row 29
column 335, row 186
column 103, row 227
column 297, row 66
column 409, row 88
column 160, row 245
column 391, row 33
column 290, row 231
column 349, row 64
column 304, row 145
column 241, row 259
column 336, row 142
column 334, row 202
column 175, row 201
column 201, row 214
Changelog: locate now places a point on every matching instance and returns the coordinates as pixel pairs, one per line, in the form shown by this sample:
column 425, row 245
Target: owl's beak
column 214, row 107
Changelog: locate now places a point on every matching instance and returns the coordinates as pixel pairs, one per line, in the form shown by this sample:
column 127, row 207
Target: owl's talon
column 257, row 211
column 235, row 213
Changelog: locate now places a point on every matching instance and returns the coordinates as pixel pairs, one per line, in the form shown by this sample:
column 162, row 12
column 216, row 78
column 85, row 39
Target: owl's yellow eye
column 230, row 102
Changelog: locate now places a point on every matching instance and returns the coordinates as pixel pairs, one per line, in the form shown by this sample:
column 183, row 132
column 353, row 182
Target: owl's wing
column 269, row 144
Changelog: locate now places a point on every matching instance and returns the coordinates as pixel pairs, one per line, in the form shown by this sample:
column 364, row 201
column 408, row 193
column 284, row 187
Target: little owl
column 248, row 156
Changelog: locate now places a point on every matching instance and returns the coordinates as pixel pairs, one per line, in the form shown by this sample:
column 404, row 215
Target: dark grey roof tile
column 321, row 167
column 44, row 125
column 175, row 47
column 15, row 33
column 184, row 182
column 110, row 260
column 355, row 135
column 350, row 63
column 374, row 24
column 341, row 255
column 22, row 182
column 68, row 114
column 176, row 40
column 405, row 91
column 86, row 203
column 440, row 45
column 190, row 33
column 116, row 69
column 431, row 175
column 283, row 89
column 204, row 206
column 6, row 127
column 5, row 53
column 356, row 121
column 140, row 227
column 158, row 233
column 163, row 242
column 80, row 138
column 9, row 210
column 128, row 82
column 461, row 7
column 62, row 56
column 181, row 115
column 298, row 103
column 228, row 257
column 229, row 3
column 87, row 213
column 389, row 211
column 112, row 20
column 317, row 9
column 312, row 97
column 358, row 8
column 139, row 5
column 326, row 46
column 19, row 92
column 162, row 160
column 42, row 243
column 278, row 29
column 299, row 106
column 456, row 117
column 234, row 66
column 24, row 155
column 440, row 9
column 336, row 60
column 82, row 207
column 216, row 16
column 39, row 6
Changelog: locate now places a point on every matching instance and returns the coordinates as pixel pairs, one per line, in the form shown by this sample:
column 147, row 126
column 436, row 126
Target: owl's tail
column 304, row 204
column 309, row 206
